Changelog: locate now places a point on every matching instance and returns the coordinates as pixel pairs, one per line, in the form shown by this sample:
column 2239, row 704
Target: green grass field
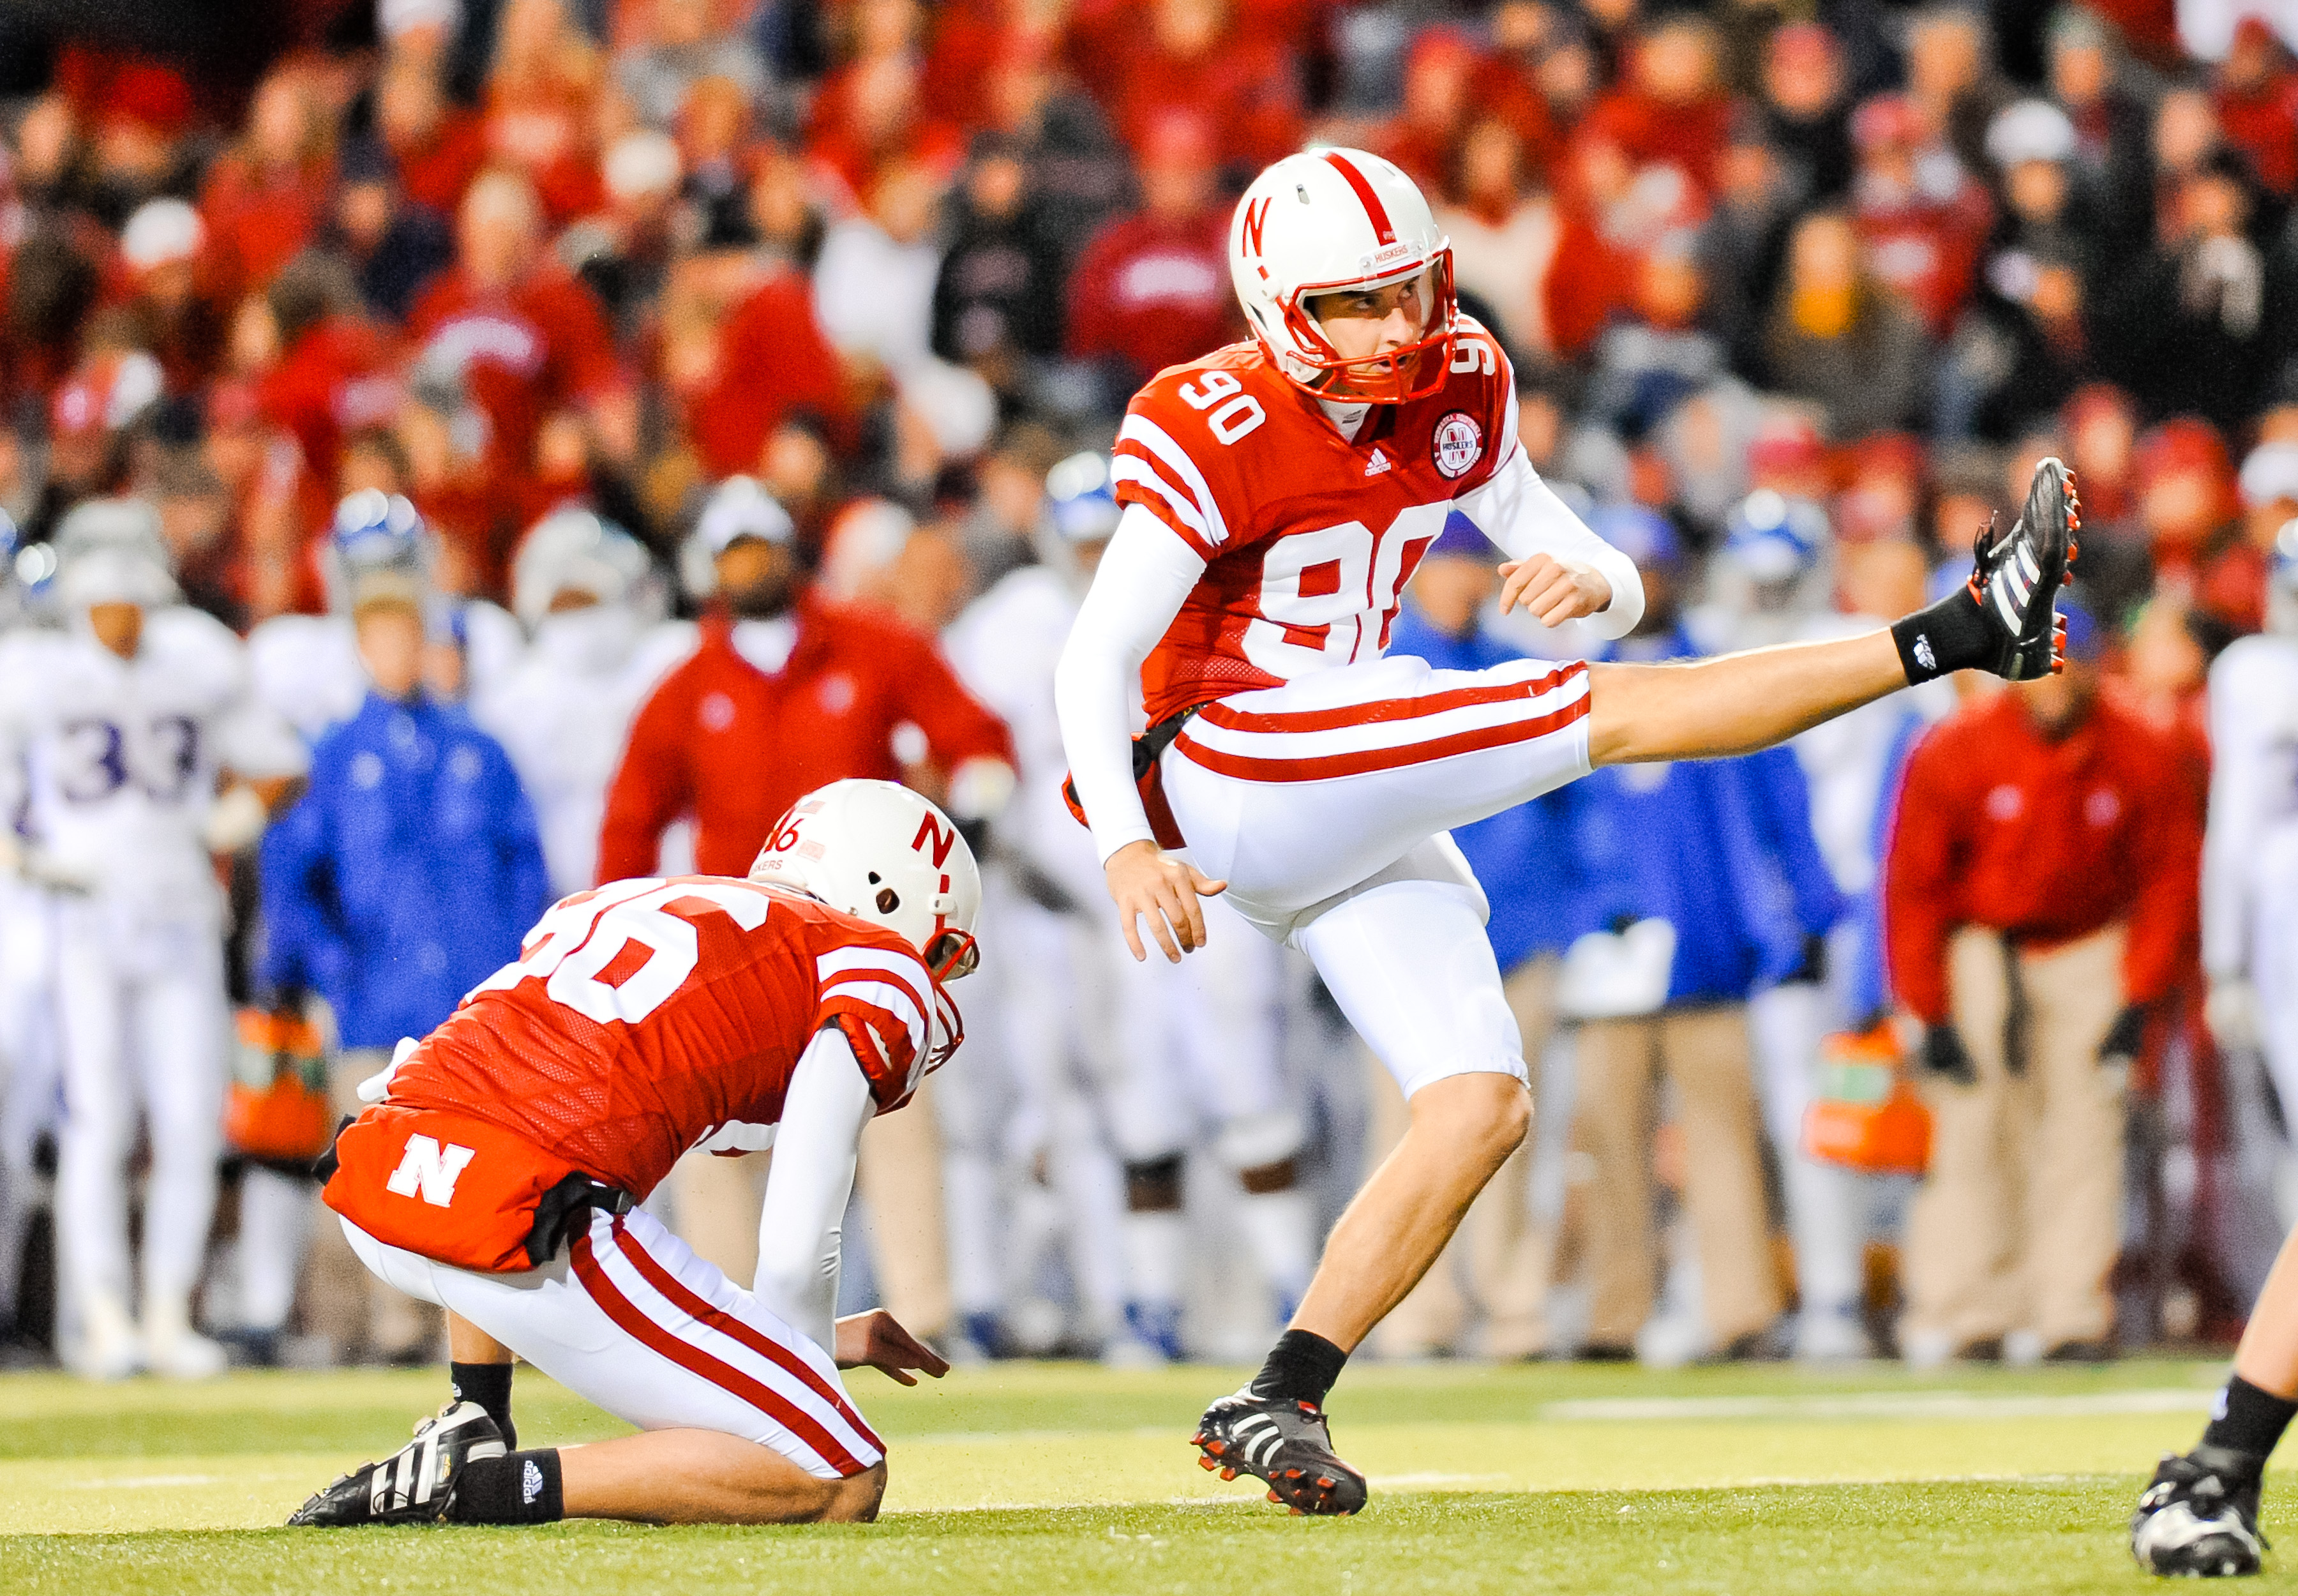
column 1061, row 1478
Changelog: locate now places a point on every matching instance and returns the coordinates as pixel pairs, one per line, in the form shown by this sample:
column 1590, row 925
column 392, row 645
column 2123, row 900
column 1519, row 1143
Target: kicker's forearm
column 1735, row 703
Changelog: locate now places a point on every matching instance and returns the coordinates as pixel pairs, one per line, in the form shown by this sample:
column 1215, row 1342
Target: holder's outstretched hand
column 876, row 1340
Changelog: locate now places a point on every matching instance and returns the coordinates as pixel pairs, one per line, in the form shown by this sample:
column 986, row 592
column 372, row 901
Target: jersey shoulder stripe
column 1153, row 445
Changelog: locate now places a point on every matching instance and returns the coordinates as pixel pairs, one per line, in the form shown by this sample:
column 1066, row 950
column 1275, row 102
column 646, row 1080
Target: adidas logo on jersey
column 1379, row 462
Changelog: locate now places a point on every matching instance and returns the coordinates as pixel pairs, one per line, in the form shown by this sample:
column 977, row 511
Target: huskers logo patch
column 1459, row 443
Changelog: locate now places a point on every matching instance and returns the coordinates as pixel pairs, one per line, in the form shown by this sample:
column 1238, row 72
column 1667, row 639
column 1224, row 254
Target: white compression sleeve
column 1523, row 515
column 1145, row 574
column 800, row 1228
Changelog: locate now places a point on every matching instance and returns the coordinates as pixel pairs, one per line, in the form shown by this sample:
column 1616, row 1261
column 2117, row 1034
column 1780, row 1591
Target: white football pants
column 144, row 1022
column 1323, row 804
column 628, row 1318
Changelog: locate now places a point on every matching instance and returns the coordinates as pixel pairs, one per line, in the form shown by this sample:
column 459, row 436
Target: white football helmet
column 1329, row 220
column 878, row 851
column 113, row 551
column 576, row 548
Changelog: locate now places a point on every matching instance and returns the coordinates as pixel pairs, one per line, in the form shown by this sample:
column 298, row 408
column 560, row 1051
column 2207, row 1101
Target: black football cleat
column 2016, row 578
column 2199, row 1516
column 1286, row 1443
column 417, row 1483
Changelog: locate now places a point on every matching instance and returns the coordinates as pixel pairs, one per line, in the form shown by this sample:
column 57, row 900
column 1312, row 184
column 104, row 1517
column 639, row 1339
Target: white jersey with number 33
column 122, row 756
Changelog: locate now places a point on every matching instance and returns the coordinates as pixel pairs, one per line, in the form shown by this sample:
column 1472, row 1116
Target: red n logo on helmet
column 1256, row 217
column 930, row 830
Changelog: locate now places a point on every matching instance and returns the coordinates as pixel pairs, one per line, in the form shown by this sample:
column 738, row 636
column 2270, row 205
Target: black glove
column 2125, row 1036
column 1945, row 1057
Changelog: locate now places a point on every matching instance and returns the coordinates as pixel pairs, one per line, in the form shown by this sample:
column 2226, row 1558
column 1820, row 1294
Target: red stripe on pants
column 696, row 1362
column 1325, row 767
column 1381, row 710
column 727, row 1324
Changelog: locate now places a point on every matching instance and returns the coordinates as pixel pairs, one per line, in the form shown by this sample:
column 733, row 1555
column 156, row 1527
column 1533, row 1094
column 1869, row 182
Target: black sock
column 1951, row 635
column 1301, row 1368
column 520, row 1487
column 489, row 1386
column 2247, row 1419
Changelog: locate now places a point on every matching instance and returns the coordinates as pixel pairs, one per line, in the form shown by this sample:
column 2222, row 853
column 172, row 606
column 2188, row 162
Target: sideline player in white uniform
column 1177, row 1053
column 1277, row 496
column 1025, row 1159
column 128, row 722
column 585, row 591
column 2250, row 849
column 307, row 668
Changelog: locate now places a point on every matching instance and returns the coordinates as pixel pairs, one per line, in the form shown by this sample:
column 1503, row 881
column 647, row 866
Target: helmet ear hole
column 889, row 900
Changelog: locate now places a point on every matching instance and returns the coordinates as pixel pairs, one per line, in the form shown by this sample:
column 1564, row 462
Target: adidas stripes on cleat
column 414, row 1484
column 2004, row 620
column 2017, row 581
column 1287, row 1444
column 2199, row 1516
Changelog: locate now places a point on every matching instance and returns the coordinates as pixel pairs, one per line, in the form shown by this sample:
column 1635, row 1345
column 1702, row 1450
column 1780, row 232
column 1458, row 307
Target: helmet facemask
column 1390, row 376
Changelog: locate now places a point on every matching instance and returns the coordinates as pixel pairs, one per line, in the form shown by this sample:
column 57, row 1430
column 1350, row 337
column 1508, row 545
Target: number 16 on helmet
column 880, row 852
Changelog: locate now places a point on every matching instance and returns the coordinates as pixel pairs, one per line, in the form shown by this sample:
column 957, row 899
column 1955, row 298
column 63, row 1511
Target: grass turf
column 1053, row 1478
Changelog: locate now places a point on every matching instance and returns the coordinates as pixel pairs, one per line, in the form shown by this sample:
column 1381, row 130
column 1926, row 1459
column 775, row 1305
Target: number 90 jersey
column 652, row 1016
column 1308, row 536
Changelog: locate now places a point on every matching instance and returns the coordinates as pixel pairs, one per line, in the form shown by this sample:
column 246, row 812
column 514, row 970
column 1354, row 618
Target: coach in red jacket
column 783, row 693
column 2039, row 898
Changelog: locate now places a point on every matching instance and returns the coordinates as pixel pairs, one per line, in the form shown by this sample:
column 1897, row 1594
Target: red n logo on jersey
column 1255, row 218
column 941, row 837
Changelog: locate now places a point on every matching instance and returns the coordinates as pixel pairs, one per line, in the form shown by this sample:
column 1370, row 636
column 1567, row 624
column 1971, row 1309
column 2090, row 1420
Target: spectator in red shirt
column 168, row 292
column 1922, row 218
column 870, row 122
column 438, row 147
column 542, row 98
column 770, row 359
column 1153, row 57
column 336, row 373
column 1440, row 69
column 1672, row 108
column 2039, row 901
column 265, row 198
column 2188, row 508
column 783, row 693
column 2257, row 96
column 516, row 335
column 1152, row 289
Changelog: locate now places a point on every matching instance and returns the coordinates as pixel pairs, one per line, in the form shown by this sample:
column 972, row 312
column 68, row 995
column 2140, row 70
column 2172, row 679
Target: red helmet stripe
column 1376, row 212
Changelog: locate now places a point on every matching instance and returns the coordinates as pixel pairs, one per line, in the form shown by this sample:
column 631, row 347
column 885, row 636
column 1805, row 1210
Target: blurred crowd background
column 604, row 322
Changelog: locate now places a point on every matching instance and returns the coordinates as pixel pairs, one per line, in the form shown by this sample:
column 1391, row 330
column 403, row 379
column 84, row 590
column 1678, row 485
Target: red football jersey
column 1309, row 537
column 652, row 1016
